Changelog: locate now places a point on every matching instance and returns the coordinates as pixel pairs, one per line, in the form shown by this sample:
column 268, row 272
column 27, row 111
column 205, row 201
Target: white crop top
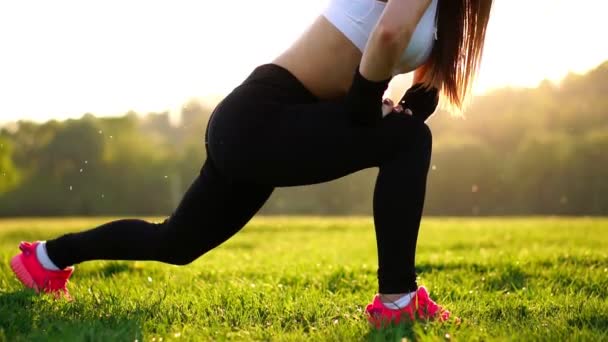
column 356, row 19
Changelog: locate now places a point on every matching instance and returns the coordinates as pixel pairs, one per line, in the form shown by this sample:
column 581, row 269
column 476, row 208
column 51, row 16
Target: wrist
column 368, row 88
column 364, row 99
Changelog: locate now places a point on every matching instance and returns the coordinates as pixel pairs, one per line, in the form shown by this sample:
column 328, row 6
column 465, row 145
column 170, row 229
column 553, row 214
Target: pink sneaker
column 30, row 272
column 422, row 307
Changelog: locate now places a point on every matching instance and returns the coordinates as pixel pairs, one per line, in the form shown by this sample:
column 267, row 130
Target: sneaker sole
column 22, row 274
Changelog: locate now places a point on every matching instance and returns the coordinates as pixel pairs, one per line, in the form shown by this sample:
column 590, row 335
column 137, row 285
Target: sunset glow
column 64, row 58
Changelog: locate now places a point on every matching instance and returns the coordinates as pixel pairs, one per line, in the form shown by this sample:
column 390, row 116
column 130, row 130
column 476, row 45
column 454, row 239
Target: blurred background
column 104, row 104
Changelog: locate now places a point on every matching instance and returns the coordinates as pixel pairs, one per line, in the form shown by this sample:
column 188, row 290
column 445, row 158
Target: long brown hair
column 454, row 62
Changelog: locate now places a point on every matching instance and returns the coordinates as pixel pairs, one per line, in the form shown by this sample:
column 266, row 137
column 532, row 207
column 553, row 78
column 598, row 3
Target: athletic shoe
column 32, row 274
column 421, row 307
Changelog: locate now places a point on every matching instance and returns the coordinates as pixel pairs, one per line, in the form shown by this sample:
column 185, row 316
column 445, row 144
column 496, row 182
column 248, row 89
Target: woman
column 305, row 119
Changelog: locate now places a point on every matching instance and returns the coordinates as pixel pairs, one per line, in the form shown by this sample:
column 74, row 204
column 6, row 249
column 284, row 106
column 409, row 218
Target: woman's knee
column 175, row 246
column 181, row 259
column 410, row 133
column 425, row 137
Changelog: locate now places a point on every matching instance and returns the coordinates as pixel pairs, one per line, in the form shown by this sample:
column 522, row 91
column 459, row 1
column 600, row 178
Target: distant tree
column 463, row 178
column 515, row 151
column 9, row 176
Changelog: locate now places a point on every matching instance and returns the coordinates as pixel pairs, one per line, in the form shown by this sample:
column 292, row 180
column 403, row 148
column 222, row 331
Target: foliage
column 9, row 175
column 517, row 152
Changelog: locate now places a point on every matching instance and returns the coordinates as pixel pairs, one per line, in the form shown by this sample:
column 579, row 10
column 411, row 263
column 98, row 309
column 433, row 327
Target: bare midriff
column 323, row 59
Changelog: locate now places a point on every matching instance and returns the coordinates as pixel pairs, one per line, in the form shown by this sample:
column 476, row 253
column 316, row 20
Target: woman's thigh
column 309, row 143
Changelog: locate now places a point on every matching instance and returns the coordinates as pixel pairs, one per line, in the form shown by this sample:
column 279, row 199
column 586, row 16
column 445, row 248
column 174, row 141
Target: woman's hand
column 419, row 102
column 389, row 107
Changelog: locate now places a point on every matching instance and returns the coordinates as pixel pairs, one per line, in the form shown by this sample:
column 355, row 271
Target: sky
column 62, row 58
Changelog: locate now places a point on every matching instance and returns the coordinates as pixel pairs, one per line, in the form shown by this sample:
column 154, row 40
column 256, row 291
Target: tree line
column 516, row 152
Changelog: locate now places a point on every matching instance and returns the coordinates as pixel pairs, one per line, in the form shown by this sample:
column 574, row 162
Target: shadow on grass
column 418, row 331
column 25, row 315
column 109, row 269
column 594, row 320
column 506, row 277
column 400, row 332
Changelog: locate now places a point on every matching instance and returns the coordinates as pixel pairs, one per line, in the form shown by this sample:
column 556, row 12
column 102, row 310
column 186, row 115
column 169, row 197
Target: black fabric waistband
column 282, row 79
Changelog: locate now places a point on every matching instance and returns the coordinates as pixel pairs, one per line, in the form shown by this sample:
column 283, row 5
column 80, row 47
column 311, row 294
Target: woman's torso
column 325, row 56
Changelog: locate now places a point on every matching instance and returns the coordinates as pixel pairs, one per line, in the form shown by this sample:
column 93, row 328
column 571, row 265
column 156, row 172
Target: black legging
column 272, row 132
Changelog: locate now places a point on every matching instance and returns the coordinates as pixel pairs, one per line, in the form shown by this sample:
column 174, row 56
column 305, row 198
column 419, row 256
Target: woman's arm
column 390, row 37
column 421, row 99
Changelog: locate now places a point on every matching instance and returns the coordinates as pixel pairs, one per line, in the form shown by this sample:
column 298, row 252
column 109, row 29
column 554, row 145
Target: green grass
column 294, row 279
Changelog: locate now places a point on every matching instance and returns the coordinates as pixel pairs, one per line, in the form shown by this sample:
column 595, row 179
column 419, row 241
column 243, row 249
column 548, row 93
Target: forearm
column 384, row 48
column 364, row 100
column 390, row 37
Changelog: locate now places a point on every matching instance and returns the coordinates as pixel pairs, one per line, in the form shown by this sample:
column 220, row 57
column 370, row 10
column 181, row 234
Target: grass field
column 295, row 279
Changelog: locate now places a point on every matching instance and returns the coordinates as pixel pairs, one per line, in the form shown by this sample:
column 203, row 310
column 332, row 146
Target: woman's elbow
column 389, row 36
column 386, row 35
